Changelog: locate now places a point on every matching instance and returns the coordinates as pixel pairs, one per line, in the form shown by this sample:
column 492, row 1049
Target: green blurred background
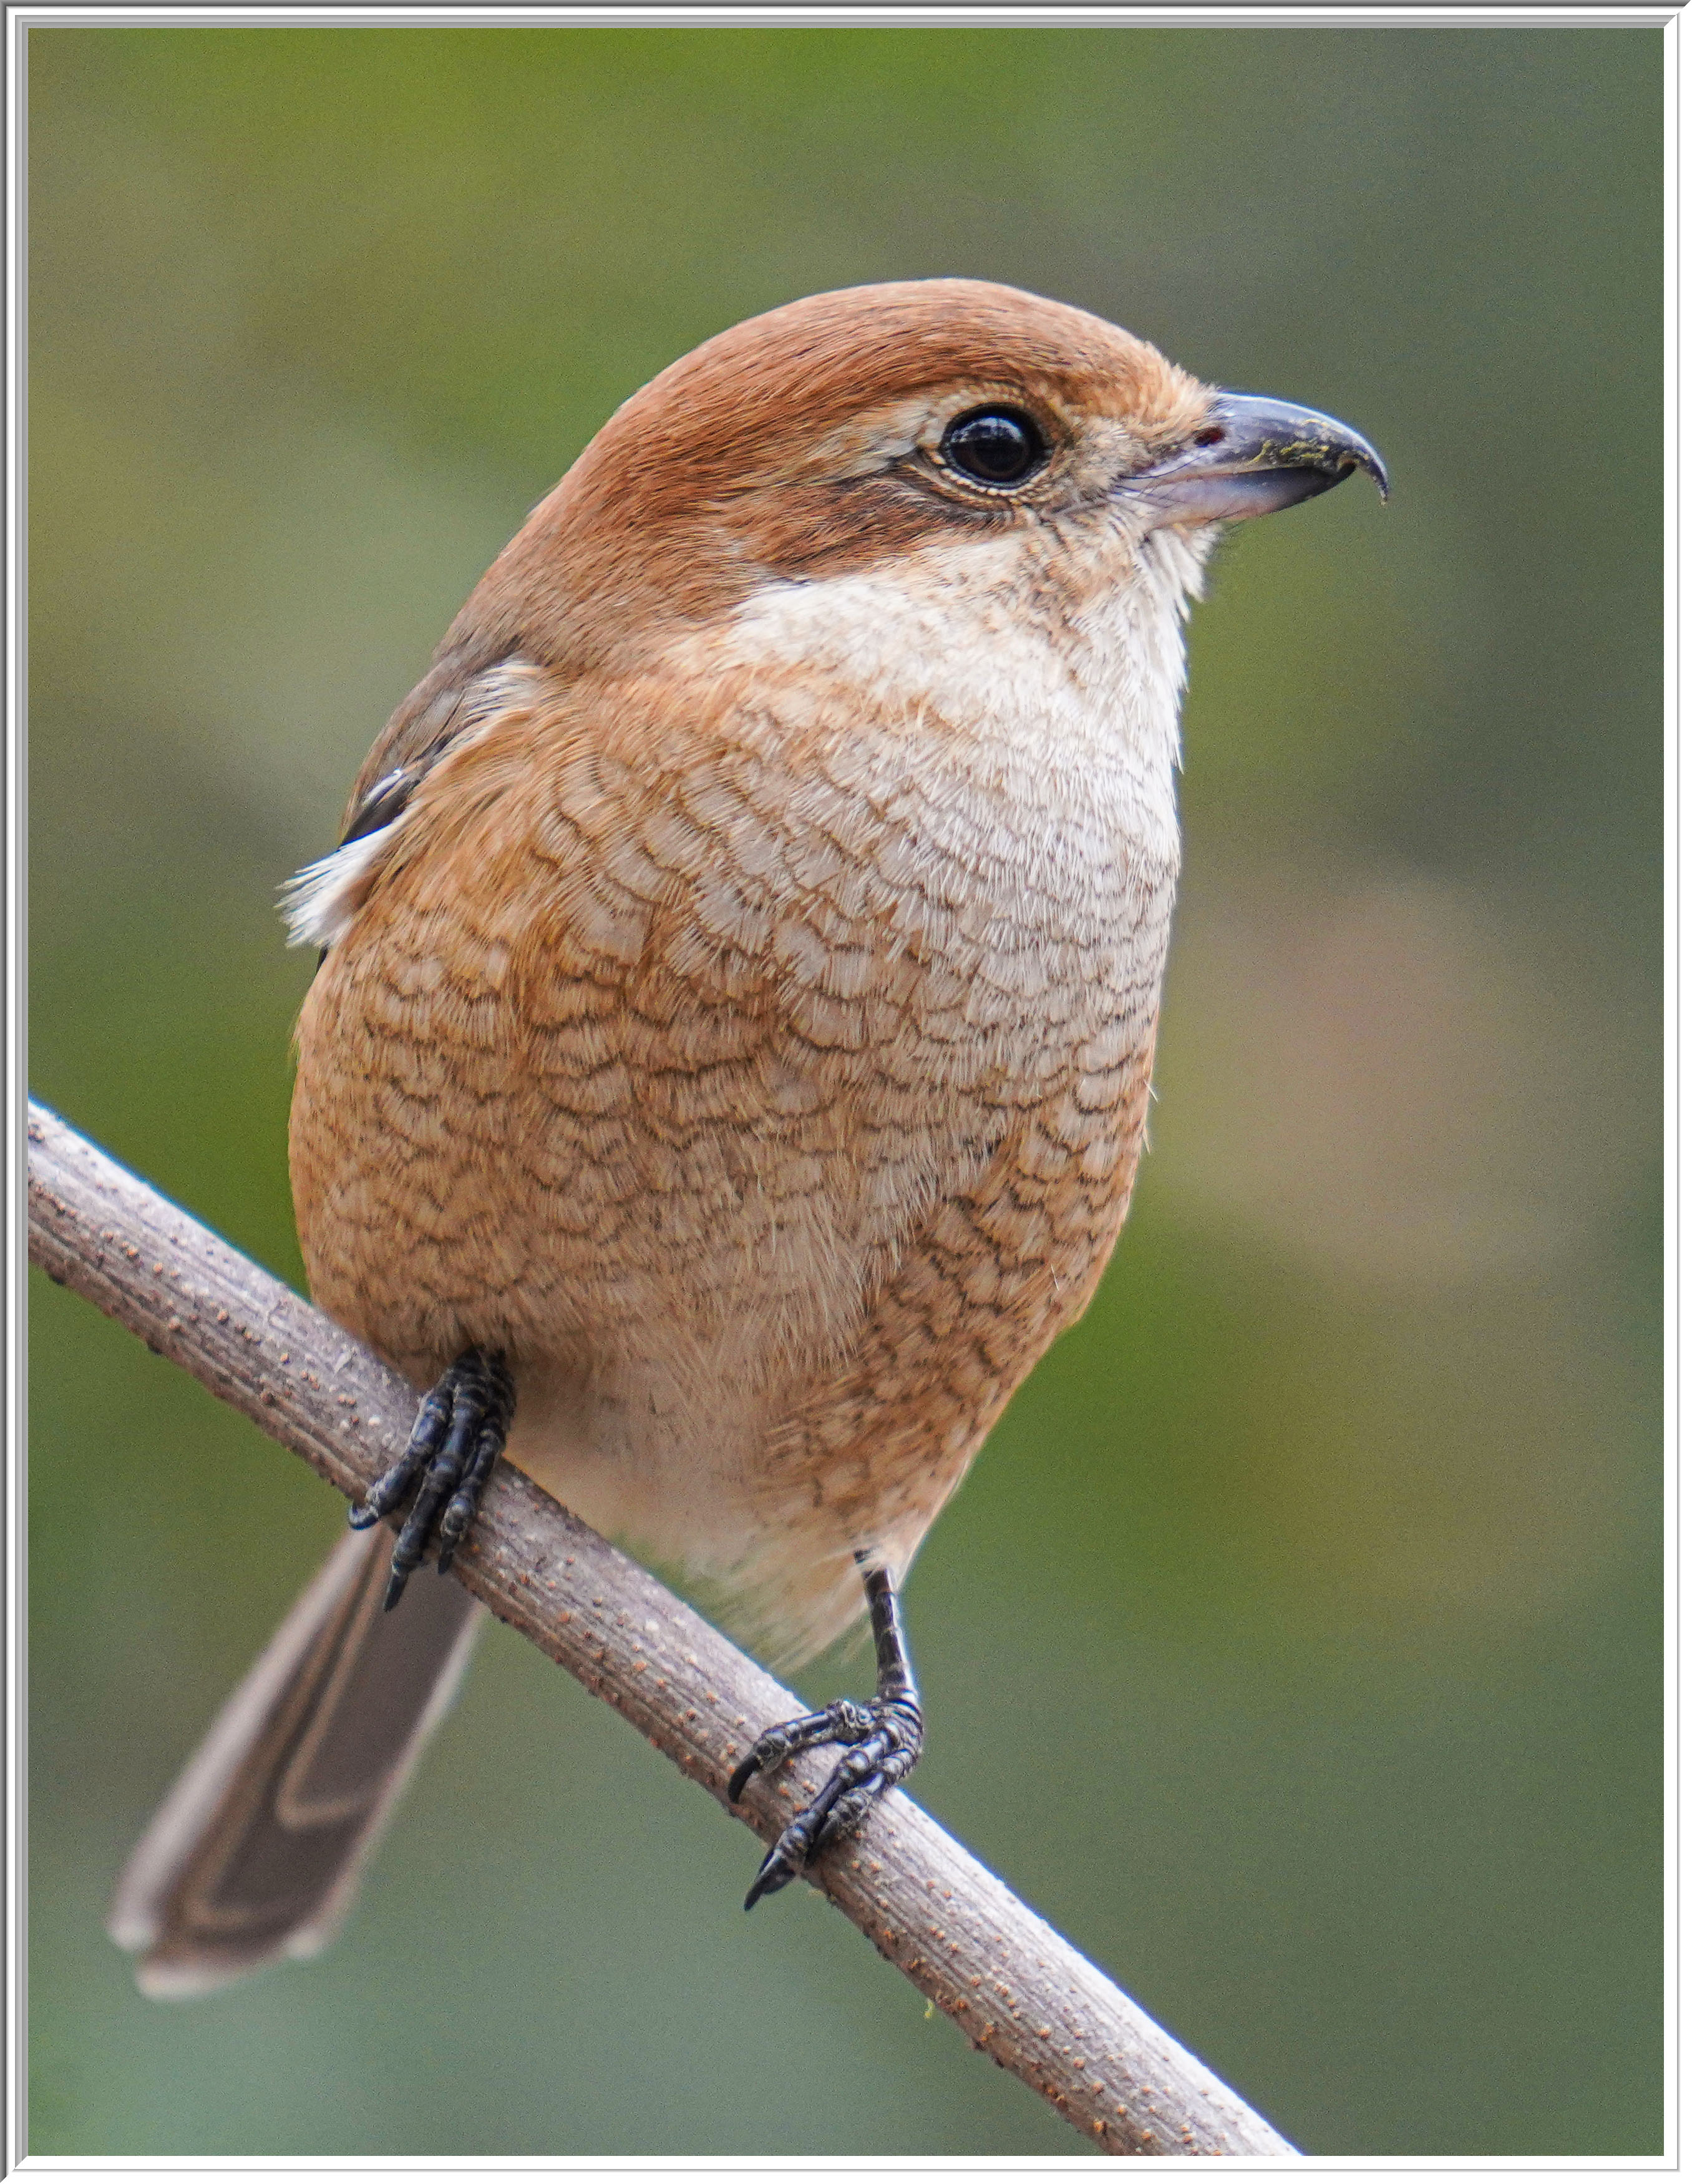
column 1295, row 1645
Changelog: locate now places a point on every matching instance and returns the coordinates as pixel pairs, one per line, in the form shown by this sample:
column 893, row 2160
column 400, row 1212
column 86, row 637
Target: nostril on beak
column 1209, row 437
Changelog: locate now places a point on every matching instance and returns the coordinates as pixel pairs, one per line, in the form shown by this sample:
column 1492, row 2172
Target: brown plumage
column 744, row 967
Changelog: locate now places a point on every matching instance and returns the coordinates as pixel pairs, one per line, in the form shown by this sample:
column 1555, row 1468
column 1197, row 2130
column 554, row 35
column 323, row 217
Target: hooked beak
column 1252, row 456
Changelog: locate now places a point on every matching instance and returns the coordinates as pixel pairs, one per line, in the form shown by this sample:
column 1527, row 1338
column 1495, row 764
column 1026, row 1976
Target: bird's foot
column 461, row 1428
column 885, row 1740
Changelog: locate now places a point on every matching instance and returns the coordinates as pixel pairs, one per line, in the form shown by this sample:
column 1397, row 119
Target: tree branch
column 1013, row 1986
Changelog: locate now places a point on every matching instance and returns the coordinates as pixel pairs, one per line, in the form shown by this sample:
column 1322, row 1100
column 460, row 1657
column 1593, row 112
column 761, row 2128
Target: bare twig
column 1014, row 1986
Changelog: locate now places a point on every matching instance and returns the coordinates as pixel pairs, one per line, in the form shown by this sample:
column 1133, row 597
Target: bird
column 728, row 1059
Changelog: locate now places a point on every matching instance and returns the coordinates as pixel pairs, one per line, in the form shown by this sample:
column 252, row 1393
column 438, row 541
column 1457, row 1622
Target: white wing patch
column 321, row 901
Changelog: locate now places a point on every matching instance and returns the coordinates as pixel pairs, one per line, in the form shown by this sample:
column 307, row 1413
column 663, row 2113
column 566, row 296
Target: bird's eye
column 993, row 447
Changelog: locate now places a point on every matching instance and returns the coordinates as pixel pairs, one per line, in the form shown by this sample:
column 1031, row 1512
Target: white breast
column 1052, row 685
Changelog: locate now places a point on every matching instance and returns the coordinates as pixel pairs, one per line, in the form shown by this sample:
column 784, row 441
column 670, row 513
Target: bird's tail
column 256, row 1852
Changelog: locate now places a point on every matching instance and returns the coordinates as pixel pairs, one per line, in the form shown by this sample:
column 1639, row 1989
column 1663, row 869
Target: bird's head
column 850, row 431
column 909, row 488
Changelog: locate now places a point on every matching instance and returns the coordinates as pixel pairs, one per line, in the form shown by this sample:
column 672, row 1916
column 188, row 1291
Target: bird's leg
column 461, row 1428
column 885, row 1741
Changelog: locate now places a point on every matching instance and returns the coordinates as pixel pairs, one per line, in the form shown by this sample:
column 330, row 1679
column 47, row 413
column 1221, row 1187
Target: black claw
column 773, row 1875
column 842, row 1723
column 461, row 1426
column 884, row 1742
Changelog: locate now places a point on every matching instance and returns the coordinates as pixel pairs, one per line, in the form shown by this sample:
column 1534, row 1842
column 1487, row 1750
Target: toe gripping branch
column 461, row 1430
column 884, row 1739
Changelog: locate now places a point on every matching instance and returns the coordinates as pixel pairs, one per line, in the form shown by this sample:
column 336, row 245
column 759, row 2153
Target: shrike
column 730, row 1055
